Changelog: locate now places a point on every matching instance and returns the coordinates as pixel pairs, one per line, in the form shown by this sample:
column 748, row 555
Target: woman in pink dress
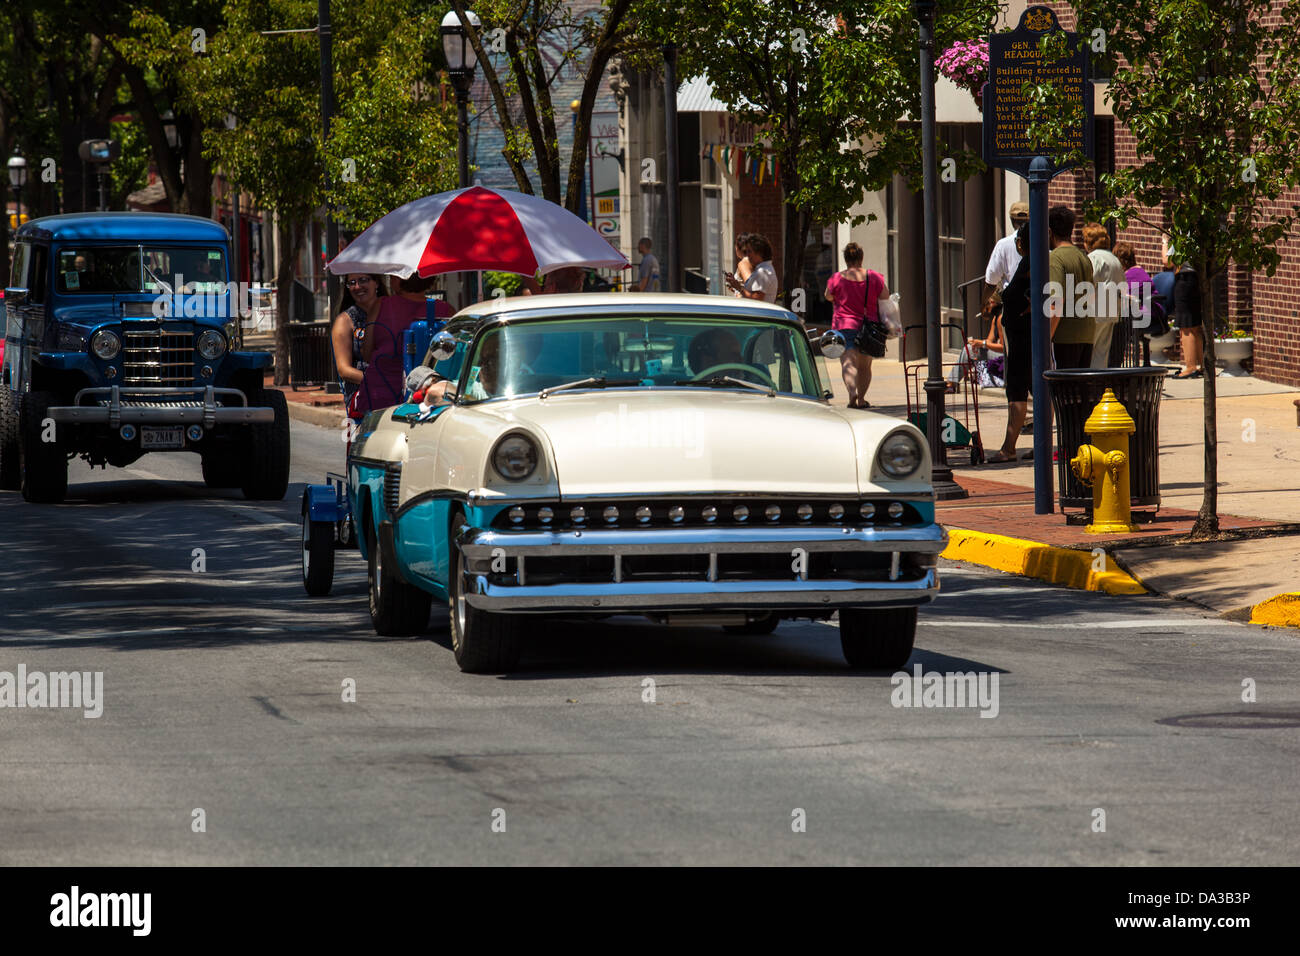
column 381, row 349
column 855, row 293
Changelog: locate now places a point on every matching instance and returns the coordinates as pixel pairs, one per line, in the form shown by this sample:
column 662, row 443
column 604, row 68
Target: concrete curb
column 314, row 415
column 1280, row 611
column 1044, row 562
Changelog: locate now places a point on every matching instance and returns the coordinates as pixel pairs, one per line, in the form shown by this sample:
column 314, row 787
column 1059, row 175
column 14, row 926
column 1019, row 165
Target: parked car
column 673, row 456
column 123, row 338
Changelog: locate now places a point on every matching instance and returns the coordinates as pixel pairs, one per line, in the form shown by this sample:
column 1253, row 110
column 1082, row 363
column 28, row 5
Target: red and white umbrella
column 468, row 230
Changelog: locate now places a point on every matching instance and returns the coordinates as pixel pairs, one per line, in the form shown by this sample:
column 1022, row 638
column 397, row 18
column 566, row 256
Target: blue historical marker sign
column 1014, row 60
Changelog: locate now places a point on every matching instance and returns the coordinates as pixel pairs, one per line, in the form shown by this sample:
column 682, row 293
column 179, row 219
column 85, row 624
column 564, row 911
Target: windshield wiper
column 719, row 381
column 599, row 382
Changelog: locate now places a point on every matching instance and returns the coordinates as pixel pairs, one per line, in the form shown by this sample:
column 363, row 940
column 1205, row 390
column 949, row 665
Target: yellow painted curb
column 1280, row 611
column 1065, row 566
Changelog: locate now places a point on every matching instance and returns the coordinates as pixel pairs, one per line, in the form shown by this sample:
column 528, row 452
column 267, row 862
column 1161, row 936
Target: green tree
column 391, row 135
column 829, row 83
column 529, row 33
column 1211, row 93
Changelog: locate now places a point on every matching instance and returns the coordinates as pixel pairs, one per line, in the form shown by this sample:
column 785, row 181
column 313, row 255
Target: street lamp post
column 941, row 474
column 18, row 179
column 461, row 62
column 326, row 36
column 671, row 184
column 582, row 183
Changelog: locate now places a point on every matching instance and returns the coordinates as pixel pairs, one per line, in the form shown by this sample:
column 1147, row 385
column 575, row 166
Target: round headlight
column 515, row 457
column 899, row 455
column 211, row 344
column 105, row 344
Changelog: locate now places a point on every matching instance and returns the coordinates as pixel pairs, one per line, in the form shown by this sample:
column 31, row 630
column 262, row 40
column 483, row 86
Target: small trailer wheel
column 317, row 554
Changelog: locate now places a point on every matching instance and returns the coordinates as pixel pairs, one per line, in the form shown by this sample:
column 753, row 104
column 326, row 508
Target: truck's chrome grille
column 154, row 357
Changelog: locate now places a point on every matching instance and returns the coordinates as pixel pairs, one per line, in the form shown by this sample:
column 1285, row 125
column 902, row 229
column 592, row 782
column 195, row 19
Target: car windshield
column 140, row 269
column 651, row 351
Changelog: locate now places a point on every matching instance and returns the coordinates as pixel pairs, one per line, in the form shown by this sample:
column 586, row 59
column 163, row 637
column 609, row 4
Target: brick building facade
column 1269, row 306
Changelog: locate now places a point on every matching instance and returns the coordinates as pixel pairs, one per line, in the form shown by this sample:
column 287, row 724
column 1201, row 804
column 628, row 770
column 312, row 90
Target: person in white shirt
column 762, row 282
column 1003, row 261
column 1108, row 282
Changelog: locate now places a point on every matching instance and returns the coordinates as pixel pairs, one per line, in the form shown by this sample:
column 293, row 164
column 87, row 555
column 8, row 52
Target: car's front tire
column 879, row 639
column 10, row 469
column 483, row 642
column 397, row 609
column 42, row 464
column 265, row 470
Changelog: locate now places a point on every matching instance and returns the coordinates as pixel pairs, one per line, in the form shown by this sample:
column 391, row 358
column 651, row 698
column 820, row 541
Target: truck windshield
column 140, row 269
column 678, row 351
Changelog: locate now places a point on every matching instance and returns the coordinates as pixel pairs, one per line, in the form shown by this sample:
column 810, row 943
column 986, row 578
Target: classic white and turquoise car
column 672, row 456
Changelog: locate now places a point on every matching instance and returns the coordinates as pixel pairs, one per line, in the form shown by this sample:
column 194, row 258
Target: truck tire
column 483, row 642
column 397, row 609
column 265, row 469
column 221, row 468
column 43, row 465
column 10, row 470
column 877, row 640
column 317, row 554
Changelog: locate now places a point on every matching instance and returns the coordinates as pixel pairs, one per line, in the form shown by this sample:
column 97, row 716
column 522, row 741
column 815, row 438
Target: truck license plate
column 155, row 439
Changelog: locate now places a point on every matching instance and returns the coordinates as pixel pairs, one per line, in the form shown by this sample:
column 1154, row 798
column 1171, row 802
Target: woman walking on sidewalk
column 856, row 293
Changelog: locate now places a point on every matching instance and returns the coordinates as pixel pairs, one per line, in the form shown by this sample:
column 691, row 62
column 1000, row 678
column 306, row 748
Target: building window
column 891, row 233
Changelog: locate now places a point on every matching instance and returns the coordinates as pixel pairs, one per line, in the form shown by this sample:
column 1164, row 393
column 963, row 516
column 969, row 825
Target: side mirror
column 832, row 344
column 443, row 347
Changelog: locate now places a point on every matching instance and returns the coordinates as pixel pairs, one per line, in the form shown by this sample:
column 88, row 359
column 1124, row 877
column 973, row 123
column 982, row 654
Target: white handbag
column 887, row 311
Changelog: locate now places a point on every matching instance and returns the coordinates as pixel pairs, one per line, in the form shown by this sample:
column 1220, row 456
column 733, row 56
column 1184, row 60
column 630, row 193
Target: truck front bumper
column 612, row 571
column 160, row 406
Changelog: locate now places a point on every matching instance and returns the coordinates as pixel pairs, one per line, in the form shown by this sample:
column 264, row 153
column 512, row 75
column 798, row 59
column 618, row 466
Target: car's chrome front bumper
column 161, row 406
column 796, row 569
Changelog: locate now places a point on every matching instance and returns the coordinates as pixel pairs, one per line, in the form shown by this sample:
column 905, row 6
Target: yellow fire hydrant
column 1105, row 465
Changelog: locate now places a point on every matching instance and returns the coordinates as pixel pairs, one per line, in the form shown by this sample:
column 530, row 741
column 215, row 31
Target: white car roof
column 602, row 301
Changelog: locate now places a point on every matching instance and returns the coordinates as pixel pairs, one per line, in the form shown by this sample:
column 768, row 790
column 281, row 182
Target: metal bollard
column 1105, row 465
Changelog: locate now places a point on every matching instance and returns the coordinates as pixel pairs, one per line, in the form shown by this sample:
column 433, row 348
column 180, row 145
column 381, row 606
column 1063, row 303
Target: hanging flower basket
column 966, row 63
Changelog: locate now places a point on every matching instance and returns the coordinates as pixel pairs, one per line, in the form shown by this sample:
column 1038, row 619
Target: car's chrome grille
column 724, row 511
column 392, row 488
column 154, row 357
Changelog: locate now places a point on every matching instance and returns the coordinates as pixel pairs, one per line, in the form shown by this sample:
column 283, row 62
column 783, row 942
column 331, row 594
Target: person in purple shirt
column 1141, row 288
column 383, row 382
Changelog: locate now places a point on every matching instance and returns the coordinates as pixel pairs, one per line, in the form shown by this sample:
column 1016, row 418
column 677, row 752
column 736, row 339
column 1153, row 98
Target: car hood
column 711, row 441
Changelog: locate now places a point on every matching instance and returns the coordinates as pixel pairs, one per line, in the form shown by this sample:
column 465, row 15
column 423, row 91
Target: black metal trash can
column 1075, row 392
column 311, row 356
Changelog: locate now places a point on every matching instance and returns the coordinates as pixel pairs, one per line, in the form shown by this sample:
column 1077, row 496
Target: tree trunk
column 1207, row 519
column 289, row 238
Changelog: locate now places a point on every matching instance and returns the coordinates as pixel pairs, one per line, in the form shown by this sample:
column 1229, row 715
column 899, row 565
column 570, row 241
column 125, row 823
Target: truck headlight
column 105, row 344
column 211, row 344
column 899, row 455
column 515, row 457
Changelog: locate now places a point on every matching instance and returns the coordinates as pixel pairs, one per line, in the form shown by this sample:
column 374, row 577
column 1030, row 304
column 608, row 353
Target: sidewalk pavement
column 1254, row 573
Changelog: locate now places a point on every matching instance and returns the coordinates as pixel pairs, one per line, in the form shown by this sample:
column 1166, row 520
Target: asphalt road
column 223, row 692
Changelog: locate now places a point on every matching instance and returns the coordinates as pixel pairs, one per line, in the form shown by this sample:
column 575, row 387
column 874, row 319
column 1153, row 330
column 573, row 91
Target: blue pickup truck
column 122, row 337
